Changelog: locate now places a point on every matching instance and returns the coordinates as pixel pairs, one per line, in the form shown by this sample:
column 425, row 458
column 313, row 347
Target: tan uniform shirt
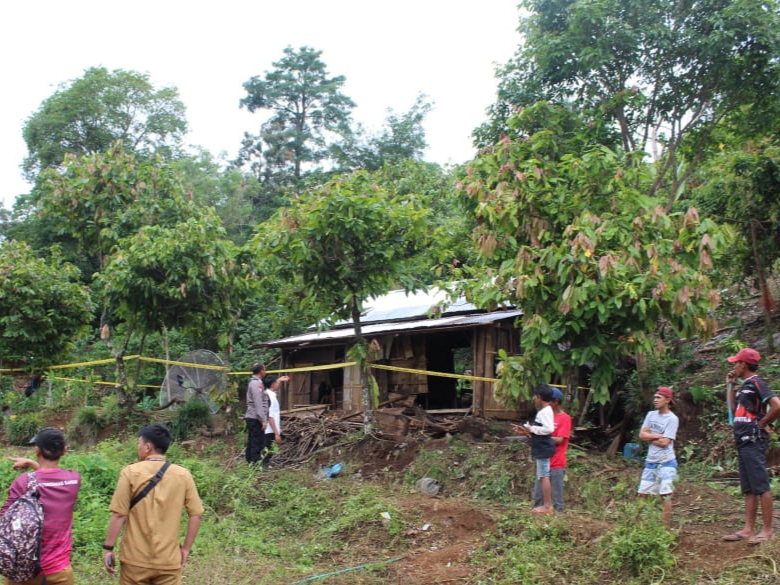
column 153, row 526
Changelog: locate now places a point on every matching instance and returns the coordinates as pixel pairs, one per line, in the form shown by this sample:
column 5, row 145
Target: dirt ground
column 458, row 526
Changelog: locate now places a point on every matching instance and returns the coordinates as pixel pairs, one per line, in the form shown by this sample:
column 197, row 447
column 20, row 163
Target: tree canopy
column 308, row 108
column 664, row 74
column 87, row 115
column 339, row 244
column 43, row 306
column 570, row 236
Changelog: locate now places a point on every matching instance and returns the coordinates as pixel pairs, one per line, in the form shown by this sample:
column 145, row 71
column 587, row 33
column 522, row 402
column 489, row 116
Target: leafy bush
column 640, row 545
column 23, row 427
column 85, row 425
column 189, row 417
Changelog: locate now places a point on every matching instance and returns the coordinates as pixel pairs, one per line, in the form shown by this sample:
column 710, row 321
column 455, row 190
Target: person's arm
column 521, row 430
column 731, row 380
column 193, row 525
column 114, row 528
column 275, row 429
column 24, row 463
column 547, row 426
column 645, row 434
column 772, row 413
column 263, row 405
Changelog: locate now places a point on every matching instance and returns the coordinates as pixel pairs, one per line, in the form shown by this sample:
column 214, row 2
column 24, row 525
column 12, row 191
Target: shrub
column 189, row 417
column 640, row 545
column 23, row 427
column 85, row 425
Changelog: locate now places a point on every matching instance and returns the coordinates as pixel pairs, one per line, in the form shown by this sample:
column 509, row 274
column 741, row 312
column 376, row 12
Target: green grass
column 285, row 525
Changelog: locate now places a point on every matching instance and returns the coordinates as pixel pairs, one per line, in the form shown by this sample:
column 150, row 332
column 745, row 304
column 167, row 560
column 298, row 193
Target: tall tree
column 308, row 112
column 339, row 244
column 43, row 306
column 87, row 115
column 664, row 73
column 402, row 138
column 568, row 233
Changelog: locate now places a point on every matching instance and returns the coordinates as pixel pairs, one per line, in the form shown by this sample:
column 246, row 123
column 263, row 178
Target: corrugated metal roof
column 427, row 324
column 399, row 305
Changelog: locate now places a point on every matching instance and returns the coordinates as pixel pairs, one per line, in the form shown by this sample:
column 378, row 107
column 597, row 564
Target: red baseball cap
column 666, row 392
column 747, row 355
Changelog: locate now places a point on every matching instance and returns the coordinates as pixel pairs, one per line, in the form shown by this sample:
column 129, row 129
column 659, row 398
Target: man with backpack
column 149, row 500
column 57, row 491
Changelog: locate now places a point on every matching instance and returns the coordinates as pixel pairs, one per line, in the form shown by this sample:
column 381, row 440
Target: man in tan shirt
column 150, row 552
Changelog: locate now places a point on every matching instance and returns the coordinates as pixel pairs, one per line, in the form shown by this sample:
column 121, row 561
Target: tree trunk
column 368, row 406
column 119, row 359
column 767, row 302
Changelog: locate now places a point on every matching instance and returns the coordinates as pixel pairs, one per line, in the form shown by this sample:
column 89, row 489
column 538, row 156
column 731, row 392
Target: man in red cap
column 660, row 430
column 755, row 407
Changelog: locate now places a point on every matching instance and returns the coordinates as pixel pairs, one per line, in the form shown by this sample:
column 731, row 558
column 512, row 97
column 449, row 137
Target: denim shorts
column 658, row 478
column 542, row 468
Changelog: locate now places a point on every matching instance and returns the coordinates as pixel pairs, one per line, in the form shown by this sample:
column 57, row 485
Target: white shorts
column 658, row 478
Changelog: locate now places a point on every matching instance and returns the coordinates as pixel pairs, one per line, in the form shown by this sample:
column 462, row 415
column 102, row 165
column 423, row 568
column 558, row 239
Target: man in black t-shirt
column 755, row 407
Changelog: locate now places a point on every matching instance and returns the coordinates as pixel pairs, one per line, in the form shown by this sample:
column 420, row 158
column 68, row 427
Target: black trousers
column 268, row 441
column 255, row 440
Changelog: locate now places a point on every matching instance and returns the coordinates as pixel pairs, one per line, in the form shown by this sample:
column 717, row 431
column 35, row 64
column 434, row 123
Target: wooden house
column 406, row 331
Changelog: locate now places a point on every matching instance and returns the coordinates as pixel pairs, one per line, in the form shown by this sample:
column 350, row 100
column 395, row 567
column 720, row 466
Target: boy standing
column 660, row 430
column 542, row 445
column 560, row 437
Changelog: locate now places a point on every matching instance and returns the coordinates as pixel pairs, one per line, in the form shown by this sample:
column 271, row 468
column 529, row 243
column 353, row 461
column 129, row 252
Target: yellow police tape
column 274, row 371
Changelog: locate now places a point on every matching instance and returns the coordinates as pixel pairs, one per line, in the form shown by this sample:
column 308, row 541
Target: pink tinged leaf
column 691, row 217
column 705, row 260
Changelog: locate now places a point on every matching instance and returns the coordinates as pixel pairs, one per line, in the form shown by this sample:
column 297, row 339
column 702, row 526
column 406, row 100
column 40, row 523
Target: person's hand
column 23, row 463
column 521, row 430
column 731, row 376
column 284, row 378
column 278, row 439
column 109, row 562
column 263, row 425
column 185, row 554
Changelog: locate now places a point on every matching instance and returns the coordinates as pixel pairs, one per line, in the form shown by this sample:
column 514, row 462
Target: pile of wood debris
column 309, row 429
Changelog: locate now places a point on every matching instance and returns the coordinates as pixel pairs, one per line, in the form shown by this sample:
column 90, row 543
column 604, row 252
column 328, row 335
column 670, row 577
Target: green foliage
column 661, row 75
column 43, row 307
column 640, row 545
column 85, row 425
column 87, row 115
column 342, row 243
column 524, row 549
column 339, row 244
column 103, row 198
column 401, row 139
column 307, row 107
column 180, row 276
column 567, row 234
column 23, row 427
column 189, row 417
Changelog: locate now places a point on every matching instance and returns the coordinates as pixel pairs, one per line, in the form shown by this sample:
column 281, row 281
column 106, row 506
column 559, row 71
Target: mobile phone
column 110, row 561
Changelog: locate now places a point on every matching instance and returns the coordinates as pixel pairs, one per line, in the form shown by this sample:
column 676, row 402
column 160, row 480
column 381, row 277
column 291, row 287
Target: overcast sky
column 388, row 52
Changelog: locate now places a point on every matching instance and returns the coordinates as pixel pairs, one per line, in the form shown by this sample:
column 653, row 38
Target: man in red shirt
column 58, row 489
column 560, row 436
